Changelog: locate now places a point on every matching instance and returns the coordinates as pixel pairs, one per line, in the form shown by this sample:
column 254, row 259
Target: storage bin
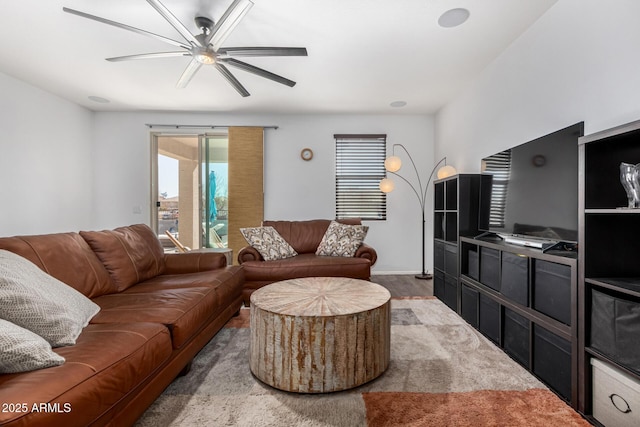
column 489, row 318
column 615, row 322
column 552, row 360
column 516, row 336
column 473, row 265
column 438, row 255
column 552, row 290
column 514, row 280
column 451, row 259
column 438, row 225
column 438, row 285
column 451, row 227
column 616, row 396
column 451, row 292
column 490, row 268
column 469, row 305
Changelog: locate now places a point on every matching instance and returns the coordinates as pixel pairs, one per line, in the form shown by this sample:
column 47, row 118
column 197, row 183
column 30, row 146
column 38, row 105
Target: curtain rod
column 151, row 126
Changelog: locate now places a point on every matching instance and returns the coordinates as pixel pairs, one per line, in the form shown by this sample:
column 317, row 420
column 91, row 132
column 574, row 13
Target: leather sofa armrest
column 366, row 251
column 249, row 253
column 193, row 262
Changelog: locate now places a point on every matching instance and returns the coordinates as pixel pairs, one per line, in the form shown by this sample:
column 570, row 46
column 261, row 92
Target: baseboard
column 391, row 273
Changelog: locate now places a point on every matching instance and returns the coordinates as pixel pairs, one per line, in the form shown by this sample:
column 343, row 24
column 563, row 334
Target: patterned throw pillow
column 342, row 239
column 268, row 242
column 36, row 301
column 22, row 350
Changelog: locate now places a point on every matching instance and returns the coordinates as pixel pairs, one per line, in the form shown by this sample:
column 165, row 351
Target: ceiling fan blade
column 263, row 51
column 126, row 27
column 228, row 22
column 148, row 56
column 188, row 74
column 258, row 71
column 231, row 79
column 175, row 23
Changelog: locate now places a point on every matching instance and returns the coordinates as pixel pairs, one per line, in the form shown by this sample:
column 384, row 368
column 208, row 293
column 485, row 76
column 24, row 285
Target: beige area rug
column 442, row 373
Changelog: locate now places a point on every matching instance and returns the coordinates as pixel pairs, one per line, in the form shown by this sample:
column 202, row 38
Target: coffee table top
column 320, row 296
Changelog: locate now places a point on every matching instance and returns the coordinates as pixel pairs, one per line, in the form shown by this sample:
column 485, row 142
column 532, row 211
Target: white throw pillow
column 268, row 242
column 36, row 301
column 22, row 350
column 342, row 239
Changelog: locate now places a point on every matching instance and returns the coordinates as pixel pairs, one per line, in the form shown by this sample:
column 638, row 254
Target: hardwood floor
column 405, row 285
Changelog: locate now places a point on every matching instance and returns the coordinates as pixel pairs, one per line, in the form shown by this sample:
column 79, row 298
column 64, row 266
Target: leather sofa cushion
column 306, row 265
column 100, row 369
column 130, row 254
column 305, row 236
column 65, row 256
column 227, row 282
column 183, row 310
column 193, row 261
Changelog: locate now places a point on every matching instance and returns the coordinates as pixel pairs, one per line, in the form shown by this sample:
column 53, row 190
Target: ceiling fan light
column 206, row 58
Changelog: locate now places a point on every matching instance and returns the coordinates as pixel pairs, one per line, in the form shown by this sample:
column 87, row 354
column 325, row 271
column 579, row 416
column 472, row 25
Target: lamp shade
column 393, row 164
column 446, row 171
column 386, row 185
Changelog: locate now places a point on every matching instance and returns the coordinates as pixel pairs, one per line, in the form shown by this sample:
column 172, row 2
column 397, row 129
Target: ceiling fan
column 206, row 48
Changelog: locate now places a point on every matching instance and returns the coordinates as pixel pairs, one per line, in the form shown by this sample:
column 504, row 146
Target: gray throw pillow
column 36, row 301
column 22, row 350
column 342, row 239
column 268, row 242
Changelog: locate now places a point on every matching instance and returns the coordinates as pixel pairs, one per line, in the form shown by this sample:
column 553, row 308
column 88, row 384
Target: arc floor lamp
column 393, row 164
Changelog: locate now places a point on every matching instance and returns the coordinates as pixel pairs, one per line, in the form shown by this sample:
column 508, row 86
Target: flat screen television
column 530, row 191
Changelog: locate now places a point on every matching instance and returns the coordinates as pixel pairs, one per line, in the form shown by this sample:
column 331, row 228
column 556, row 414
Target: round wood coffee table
column 319, row 334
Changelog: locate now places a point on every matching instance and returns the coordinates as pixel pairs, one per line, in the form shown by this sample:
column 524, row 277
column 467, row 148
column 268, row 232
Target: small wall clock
column 306, row 154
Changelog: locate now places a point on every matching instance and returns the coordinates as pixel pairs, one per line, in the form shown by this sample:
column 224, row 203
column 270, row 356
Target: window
column 498, row 165
column 359, row 169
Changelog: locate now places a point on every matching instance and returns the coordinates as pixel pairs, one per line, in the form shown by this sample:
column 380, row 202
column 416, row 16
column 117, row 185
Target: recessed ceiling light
column 398, row 104
column 453, row 18
column 99, row 99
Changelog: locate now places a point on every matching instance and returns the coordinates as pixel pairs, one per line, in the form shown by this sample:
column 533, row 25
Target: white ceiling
column 363, row 54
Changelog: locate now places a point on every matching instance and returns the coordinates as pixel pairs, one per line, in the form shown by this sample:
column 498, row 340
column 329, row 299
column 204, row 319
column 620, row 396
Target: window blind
column 359, row 169
column 498, row 165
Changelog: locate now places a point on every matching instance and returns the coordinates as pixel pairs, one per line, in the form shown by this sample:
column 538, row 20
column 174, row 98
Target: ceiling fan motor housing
column 204, row 23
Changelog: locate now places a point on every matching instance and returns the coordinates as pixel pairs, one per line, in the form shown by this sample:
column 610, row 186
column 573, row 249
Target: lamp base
column 425, row 276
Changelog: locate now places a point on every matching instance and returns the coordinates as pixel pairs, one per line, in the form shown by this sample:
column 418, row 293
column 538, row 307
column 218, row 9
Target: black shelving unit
column 525, row 301
column 609, row 274
column 455, row 214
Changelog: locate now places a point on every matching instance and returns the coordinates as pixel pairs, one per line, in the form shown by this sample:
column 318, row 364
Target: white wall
column 578, row 62
column 294, row 189
column 45, row 161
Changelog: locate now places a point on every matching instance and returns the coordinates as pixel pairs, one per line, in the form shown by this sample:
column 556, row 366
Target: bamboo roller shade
column 246, row 189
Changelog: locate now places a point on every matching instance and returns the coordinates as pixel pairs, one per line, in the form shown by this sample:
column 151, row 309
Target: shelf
column 617, row 211
column 595, row 353
column 541, row 319
column 627, row 285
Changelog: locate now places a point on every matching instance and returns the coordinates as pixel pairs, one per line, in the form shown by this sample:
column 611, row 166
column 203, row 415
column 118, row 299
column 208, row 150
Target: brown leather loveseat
column 157, row 311
column 304, row 237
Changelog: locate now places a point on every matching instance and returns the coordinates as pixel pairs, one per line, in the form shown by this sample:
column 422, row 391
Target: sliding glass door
column 214, row 196
column 207, row 186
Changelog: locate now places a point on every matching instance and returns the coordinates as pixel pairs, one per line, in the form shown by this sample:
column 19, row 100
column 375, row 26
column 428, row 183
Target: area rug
column 442, row 373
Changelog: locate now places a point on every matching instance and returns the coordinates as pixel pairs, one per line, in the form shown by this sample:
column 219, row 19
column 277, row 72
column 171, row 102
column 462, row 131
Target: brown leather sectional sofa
column 304, row 237
column 157, row 311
